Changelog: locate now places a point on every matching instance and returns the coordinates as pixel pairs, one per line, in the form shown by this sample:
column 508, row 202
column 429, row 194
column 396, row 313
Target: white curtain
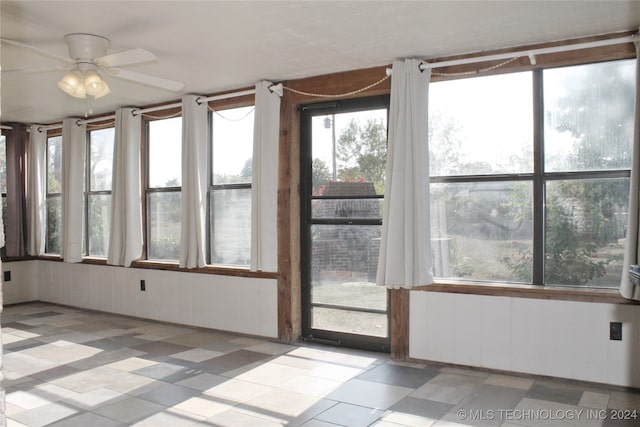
column 264, row 186
column 194, row 182
column 632, row 252
column 405, row 248
column 36, row 190
column 73, row 156
column 125, row 239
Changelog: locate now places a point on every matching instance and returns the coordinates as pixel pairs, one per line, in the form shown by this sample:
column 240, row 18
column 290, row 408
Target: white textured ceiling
column 215, row 45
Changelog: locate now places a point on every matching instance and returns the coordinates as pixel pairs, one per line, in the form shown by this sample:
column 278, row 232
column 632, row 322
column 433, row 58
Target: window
column 530, row 175
column 98, row 191
column 3, row 181
column 164, row 180
column 230, row 189
column 54, row 195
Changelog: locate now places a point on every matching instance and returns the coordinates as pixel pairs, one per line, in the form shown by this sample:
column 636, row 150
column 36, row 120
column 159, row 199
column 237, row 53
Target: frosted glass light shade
column 80, row 85
column 93, row 83
column 70, row 84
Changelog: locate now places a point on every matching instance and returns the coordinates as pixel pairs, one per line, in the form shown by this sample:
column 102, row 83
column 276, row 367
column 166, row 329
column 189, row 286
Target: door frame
column 307, row 112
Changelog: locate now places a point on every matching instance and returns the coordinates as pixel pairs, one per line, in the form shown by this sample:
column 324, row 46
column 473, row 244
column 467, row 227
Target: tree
column 362, row 152
column 3, row 164
column 320, row 174
column 595, row 110
column 247, row 170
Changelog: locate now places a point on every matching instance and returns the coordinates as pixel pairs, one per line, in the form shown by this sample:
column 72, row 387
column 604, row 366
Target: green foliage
column 320, row 174
column 244, row 176
column 247, row 170
column 596, row 110
column 569, row 259
column 54, row 225
column 362, row 152
column 3, row 164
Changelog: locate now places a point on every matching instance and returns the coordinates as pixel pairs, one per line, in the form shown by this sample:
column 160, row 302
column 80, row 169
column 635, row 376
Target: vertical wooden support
column 399, row 323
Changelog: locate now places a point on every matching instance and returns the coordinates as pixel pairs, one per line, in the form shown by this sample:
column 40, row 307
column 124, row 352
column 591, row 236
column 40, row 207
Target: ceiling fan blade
column 36, row 70
column 127, row 57
column 39, row 51
column 146, row 79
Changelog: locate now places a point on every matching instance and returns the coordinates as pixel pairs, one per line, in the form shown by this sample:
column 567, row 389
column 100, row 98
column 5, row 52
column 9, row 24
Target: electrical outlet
column 615, row 331
column 143, row 286
column 7, row 276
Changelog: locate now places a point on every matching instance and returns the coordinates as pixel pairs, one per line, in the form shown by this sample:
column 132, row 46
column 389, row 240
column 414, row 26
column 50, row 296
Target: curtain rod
column 531, row 53
column 5, row 127
column 152, row 109
column 207, row 99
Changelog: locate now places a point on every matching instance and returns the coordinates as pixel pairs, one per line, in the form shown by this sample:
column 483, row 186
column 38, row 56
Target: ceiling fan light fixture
column 80, row 91
column 81, row 84
column 71, row 82
column 105, row 90
column 93, row 83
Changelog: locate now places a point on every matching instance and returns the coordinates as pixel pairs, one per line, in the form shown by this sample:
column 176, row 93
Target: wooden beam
column 399, row 323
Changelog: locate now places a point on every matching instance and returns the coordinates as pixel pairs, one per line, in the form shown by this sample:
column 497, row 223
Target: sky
column 232, row 139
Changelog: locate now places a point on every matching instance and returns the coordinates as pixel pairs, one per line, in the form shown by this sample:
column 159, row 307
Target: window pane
column 54, row 225
column 99, row 224
column 54, row 164
column 349, row 148
column 585, row 228
column 165, row 153
column 101, row 159
column 345, row 255
column 164, row 225
column 346, row 208
column 231, row 226
column 3, row 164
column 351, row 322
column 343, row 272
column 482, row 230
column 3, row 250
column 232, row 145
column 481, row 125
column 589, row 116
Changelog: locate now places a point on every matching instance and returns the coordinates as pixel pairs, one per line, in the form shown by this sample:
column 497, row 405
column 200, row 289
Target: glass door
column 343, row 164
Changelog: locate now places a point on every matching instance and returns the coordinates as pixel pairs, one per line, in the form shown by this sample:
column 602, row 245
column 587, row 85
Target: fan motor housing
column 86, row 46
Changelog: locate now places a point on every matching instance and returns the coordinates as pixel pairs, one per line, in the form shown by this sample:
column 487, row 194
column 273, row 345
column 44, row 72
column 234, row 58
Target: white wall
column 23, row 286
column 558, row 338
column 237, row 304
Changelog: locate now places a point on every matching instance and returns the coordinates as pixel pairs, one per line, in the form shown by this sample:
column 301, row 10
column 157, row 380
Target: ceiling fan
column 87, row 57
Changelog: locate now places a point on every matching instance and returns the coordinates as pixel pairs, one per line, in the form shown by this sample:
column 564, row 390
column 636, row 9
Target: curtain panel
column 632, row 253
column 36, row 189
column 264, row 186
column 73, row 157
column 194, row 183
column 405, row 249
column 125, row 239
column 16, row 238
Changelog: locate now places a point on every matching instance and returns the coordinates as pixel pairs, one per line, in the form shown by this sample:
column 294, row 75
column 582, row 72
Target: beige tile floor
column 70, row 367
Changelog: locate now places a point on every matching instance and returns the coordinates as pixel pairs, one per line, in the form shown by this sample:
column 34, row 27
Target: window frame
column 89, row 193
column 307, row 220
column 214, row 108
column 148, row 190
column 3, row 250
column 538, row 178
column 52, row 195
column 212, row 187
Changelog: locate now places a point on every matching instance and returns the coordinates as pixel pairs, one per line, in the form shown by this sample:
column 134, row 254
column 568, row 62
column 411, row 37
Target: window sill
column 210, row 269
column 168, row 266
column 609, row 296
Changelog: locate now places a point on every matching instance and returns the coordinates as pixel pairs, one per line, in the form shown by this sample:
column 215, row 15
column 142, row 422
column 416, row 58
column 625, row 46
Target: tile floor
column 70, row 367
